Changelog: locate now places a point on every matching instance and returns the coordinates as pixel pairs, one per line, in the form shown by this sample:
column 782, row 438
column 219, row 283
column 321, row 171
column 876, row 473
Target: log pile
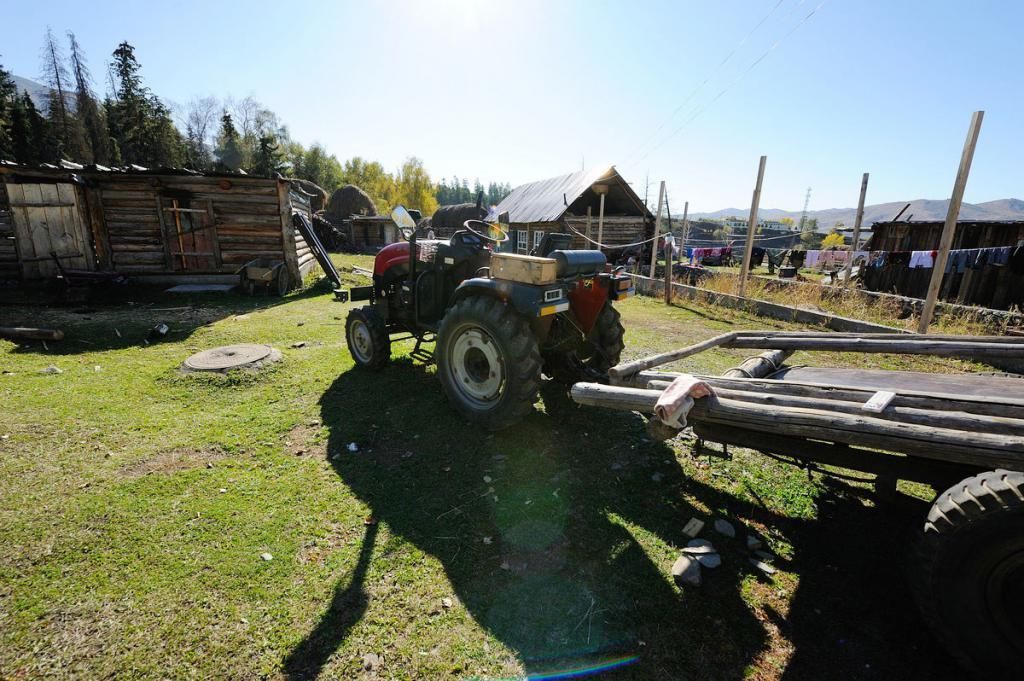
column 985, row 431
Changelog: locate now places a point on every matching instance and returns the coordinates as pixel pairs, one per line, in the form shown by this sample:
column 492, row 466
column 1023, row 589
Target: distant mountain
column 920, row 209
column 40, row 93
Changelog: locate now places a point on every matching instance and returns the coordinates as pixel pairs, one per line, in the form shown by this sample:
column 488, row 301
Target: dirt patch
column 173, row 461
column 304, row 440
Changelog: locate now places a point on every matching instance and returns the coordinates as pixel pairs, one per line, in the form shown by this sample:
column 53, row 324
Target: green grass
column 136, row 501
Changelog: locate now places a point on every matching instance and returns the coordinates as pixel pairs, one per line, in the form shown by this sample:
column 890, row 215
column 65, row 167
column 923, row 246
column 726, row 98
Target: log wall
column 9, row 268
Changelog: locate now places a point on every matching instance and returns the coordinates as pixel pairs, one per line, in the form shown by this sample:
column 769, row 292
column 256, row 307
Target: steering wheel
column 488, row 226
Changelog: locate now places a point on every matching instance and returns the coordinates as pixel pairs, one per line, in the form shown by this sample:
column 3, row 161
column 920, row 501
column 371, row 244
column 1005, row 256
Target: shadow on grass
column 541, row 530
column 126, row 317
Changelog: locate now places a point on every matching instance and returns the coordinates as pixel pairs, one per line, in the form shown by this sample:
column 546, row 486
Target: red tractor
column 499, row 320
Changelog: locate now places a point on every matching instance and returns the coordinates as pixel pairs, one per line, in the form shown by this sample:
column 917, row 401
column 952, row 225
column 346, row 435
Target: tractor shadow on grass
column 541, row 531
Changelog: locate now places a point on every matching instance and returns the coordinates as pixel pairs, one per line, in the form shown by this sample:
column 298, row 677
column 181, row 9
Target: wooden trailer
column 963, row 433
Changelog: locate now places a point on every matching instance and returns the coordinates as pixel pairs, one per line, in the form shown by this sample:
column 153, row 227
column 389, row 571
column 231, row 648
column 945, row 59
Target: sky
column 689, row 92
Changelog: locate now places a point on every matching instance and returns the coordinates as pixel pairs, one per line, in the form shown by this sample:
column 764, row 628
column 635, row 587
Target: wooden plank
column 22, row 232
column 93, row 206
column 628, row 368
column 748, row 248
column 910, row 346
column 949, row 228
column 1002, row 406
column 44, row 204
column 958, row 419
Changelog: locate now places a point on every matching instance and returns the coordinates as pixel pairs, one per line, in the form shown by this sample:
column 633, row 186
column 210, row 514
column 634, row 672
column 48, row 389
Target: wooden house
column 572, row 204
column 155, row 226
column 988, row 285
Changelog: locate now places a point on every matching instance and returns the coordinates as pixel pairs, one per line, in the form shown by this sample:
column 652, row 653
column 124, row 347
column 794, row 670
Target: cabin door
column 190, row 236
column 46, row 222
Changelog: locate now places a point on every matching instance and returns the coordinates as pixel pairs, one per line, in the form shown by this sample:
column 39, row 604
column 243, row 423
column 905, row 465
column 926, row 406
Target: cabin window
column 523, row 241
column 538, row 236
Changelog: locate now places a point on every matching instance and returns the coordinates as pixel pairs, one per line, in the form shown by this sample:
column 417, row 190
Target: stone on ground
column 686, row 570
column 724, row 527
column 693, row 527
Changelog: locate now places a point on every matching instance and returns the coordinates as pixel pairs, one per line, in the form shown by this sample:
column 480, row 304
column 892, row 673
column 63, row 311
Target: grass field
column 136, row 503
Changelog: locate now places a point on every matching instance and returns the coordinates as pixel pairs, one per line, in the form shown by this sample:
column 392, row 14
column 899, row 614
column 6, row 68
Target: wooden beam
column 657, row 228
column 856, row 230
column 949, row 228
column 748, row 248
column 978, row 448
column 628, row 368
column 903, row 346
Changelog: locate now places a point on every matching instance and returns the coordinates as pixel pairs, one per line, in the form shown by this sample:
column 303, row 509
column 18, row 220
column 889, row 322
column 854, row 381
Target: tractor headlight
column 552, row 295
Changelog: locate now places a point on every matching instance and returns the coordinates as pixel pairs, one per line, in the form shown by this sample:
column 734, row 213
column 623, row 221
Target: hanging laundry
column 899, row 257
column 797, row 259
column 756, row 256
column 922, row 259
column 811, row 258
column 877, row 258
column 1001, row 256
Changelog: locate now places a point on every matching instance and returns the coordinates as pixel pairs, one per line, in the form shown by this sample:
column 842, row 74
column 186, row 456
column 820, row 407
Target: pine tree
column 8, row 101
column 87, row 109
column 139, row 123
column 267, row 160
column 229, row 148
column 30, row 134
column 67, row 129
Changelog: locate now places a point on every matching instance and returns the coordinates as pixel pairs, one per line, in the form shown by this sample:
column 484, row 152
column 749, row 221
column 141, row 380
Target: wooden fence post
column 751, row 228
column 856, row 230
column 949, row 229
column 668, row 274
column 657, row 228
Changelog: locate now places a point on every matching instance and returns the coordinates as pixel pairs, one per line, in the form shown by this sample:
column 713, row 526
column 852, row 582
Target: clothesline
column 959, row 261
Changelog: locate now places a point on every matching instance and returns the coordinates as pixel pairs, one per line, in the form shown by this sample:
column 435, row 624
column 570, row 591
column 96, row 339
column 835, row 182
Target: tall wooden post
column 856, row 230
column 751, row 227
column 668, row 274
column 657, row 228
column 949, row 229
column 601, row 189
column 589, row 236
column 686, row 224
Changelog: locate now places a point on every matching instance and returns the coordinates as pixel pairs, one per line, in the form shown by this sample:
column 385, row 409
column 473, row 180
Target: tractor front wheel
column 367, row 338
column 488, row 361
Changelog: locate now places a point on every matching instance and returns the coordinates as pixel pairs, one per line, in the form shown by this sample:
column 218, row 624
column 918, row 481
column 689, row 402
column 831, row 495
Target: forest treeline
column 131, row 125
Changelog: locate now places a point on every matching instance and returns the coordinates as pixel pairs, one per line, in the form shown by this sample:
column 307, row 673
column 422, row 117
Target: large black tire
column 971, row 585
column 367, row 338
column 488, row 361
column 601, row 352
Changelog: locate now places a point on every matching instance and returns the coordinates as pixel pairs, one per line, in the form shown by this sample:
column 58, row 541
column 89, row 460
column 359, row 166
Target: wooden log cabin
column 155, row 226
column 571, row 204
column 993, row 285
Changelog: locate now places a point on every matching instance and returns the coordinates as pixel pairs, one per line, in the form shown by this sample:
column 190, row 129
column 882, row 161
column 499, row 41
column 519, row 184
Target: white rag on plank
column 677, row 400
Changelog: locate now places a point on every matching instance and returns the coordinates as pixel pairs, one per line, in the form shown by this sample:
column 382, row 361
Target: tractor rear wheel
column 971, row 584
column 367, row 337
column 488, row 361
column 599, row 353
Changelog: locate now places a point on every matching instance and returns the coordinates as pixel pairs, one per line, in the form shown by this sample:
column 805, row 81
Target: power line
column 728, row 87
column 697, row 89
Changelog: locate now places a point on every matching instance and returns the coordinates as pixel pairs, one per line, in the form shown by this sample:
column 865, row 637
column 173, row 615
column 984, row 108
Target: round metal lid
column 228, row 357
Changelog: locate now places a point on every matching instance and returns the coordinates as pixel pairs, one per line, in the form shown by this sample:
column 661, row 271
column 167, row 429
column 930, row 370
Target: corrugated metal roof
column 547, row 200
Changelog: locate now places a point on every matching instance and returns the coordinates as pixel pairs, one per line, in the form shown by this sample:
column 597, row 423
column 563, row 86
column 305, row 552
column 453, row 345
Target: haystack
column 349, row 200
column 447, row 219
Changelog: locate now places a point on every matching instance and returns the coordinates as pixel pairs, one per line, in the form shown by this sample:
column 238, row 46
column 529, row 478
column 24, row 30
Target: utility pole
column 803, row 216
column 856, row 231
column 657, row 228
column 748, row 247
column 949, row 229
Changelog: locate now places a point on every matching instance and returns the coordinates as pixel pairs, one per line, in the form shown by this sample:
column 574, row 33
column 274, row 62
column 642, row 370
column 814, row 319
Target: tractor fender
column 526, row 299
